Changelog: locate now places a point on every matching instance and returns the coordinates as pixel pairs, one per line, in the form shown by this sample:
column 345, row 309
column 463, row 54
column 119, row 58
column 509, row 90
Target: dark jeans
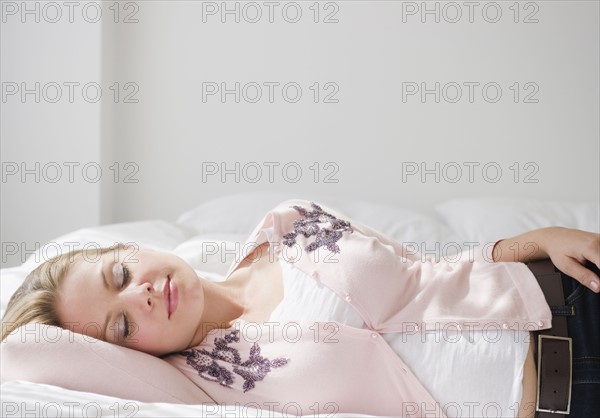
column 584, row 329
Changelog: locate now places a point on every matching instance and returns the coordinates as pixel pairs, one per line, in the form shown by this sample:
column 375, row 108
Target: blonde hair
column 36, row 299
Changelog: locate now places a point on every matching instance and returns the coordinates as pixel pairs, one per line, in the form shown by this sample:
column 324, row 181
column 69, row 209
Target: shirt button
column 505, row 326
column 348, row 298
column 315, row 274
column 541, row 323
column 374, row 335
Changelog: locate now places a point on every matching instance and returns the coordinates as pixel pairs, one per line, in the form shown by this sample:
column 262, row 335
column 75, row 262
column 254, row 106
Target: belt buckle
column 541, row 337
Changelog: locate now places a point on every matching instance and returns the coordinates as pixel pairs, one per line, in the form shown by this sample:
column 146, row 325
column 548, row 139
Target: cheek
column 144, row 332
column 191, row 296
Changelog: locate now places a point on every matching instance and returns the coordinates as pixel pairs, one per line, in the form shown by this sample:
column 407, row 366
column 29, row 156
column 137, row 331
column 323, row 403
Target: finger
column 584, row 276
column 593, row 251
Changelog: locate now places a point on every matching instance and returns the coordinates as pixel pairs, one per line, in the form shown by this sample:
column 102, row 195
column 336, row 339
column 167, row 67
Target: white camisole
column 470, row 373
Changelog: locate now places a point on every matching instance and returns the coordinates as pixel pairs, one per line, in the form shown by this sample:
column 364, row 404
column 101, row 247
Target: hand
column 569, row 249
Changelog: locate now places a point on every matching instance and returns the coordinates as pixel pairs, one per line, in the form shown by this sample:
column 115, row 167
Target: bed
column 208, row 237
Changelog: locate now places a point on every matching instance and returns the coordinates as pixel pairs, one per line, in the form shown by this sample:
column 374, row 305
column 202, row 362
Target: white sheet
column 20, row 398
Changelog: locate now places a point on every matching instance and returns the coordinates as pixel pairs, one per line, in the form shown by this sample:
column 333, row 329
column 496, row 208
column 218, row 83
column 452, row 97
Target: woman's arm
column 567, row 248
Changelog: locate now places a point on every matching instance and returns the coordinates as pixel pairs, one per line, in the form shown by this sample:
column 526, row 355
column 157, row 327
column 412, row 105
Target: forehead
column 82, row 295
column 84, row 268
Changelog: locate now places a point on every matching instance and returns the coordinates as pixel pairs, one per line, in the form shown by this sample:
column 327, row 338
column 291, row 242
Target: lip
column 173, row 296
column 167, row 296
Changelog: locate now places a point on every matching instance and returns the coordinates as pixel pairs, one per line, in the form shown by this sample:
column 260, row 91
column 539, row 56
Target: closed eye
column 126, row 276
column 125, row 281
column 126, row 326
column 122, row 328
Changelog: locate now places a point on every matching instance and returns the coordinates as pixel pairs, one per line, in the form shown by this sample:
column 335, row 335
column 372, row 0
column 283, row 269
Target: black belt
column 553, row 347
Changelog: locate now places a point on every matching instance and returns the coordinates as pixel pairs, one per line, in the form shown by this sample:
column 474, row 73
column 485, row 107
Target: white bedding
column 20, row 398
column 208, row 236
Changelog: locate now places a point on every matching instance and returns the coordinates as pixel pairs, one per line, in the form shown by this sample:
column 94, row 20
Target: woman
column 238, row 340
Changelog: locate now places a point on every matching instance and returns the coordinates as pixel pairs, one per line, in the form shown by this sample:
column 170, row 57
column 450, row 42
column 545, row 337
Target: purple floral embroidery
column 252, row 370
column 256, row 367
column 308, row 226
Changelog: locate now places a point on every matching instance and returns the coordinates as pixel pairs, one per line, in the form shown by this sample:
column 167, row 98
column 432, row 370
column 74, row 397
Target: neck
column 223, row 303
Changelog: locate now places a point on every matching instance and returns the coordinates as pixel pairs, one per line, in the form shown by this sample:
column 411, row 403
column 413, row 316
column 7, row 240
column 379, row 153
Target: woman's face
column 99, row 298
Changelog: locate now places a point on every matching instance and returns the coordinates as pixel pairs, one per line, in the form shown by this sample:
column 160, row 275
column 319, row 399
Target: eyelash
column 126, row 322
column 126, row 277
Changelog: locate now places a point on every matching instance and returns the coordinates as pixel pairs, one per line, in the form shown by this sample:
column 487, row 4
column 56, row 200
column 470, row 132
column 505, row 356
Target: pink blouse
column 306, row 367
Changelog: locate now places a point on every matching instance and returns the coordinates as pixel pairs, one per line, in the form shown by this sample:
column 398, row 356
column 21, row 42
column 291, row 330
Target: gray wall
column 45, row 137
column 363, row 134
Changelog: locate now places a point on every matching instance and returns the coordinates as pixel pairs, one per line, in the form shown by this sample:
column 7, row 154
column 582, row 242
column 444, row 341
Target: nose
column 142, row 295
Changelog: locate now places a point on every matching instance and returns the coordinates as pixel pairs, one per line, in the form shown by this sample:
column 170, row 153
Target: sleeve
column 392, row 284
column 285, row 208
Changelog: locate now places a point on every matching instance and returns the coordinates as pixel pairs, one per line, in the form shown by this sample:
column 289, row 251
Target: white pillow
column 155, row 234
column 10, row 278
column 240, row 213
column 489, row 219
column 50, row 355
column 235, row 213
column 211, row 253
